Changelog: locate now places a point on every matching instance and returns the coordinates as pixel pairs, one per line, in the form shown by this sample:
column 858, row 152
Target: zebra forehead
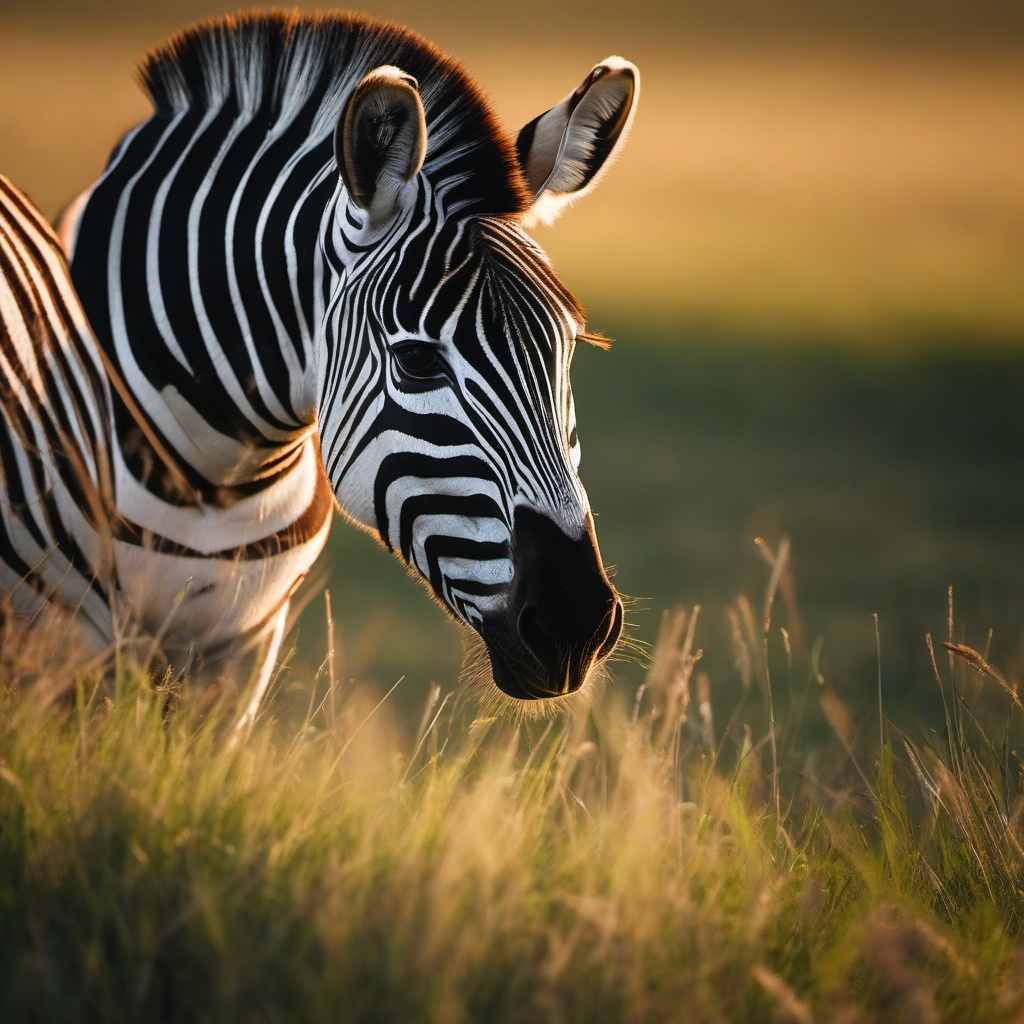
column 489, row 267
column 291, row 68
column 520, row 275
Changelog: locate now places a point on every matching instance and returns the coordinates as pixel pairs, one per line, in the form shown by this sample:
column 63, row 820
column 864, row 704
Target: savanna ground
column 812, row 257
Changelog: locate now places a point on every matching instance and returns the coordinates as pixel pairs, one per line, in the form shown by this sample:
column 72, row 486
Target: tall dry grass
column 642, row 860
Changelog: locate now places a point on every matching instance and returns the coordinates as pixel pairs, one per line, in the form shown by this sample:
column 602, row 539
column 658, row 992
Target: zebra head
column 445, row 412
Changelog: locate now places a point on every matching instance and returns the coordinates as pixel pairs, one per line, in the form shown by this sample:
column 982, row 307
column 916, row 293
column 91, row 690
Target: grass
column 636, row 860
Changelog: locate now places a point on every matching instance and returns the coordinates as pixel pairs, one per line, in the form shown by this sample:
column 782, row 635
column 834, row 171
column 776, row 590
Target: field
column 793, row 804
column 636, row 860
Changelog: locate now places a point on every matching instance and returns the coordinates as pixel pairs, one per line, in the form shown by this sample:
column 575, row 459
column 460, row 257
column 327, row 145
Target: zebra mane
column 293, row 68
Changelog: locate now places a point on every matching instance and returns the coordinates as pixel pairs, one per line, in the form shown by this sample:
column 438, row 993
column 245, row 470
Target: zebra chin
column 518, row 673
column 563, row 617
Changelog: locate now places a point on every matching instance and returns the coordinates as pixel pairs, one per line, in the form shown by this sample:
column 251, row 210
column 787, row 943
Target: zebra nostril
column 614, row 631
column 539, row 638
column 563, row 613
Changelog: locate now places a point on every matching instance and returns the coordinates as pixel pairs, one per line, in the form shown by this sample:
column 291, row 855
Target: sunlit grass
column 648, row 859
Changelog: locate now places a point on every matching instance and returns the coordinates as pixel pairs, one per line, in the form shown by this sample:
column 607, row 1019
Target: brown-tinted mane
column 291, row 68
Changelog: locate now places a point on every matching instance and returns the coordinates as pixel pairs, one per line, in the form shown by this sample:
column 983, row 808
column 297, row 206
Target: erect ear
column 380, row 140
column 564, row 151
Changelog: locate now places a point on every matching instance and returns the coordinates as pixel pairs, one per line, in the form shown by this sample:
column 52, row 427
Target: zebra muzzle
column 564, row 615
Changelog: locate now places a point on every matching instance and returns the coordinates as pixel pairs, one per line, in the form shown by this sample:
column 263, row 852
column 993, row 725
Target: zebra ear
column 564, row 151
column 381, row 140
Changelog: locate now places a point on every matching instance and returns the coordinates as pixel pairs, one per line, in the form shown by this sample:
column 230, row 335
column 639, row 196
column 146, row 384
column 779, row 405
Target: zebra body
column 55, row 409
column 308, row 269
column 78, row 528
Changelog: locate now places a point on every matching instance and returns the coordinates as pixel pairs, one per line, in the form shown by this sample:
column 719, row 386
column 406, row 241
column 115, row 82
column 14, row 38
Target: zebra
column 65, row 525
column 55, row 418
column 308, row 272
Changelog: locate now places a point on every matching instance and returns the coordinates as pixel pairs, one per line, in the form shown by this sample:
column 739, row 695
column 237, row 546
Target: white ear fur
column 380, row 140
column 565, row 151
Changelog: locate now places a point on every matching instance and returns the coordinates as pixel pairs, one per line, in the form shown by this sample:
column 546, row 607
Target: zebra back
column 55, row 414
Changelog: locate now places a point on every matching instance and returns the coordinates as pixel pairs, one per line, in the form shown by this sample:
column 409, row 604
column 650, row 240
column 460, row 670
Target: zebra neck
column 203, row 294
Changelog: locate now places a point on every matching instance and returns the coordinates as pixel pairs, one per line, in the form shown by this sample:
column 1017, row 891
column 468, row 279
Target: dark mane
column 291, row 67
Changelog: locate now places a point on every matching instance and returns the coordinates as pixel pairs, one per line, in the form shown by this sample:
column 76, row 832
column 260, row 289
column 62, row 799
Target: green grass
column 673, row 857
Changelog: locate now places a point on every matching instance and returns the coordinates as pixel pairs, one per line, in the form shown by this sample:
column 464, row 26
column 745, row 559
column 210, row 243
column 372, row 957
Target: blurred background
column 811, row 255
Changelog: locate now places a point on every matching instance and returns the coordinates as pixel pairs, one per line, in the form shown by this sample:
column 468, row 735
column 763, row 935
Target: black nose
column 564, row 614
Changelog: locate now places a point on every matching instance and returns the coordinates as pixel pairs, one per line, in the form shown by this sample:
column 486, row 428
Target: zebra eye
column 418, row 360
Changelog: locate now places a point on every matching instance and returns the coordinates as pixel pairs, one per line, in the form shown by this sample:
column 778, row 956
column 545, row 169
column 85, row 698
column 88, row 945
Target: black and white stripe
column 308, row 269
column 98, row 515
column 56, row 427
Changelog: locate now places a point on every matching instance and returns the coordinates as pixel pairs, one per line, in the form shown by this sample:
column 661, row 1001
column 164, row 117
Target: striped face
column 445, row 413
column 447, row 425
